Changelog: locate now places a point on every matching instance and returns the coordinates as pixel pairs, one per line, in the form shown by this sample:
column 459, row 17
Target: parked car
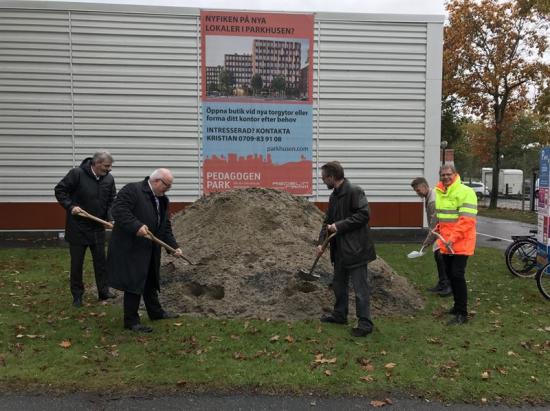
column 479, row 188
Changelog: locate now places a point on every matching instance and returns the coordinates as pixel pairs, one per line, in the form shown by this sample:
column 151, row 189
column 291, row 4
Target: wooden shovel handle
column 323, row 248
column 83, row 213
column 163, row 244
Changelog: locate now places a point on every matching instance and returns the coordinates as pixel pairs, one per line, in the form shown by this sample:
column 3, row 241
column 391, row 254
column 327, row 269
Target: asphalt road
column 495, row 233
column 214, row 402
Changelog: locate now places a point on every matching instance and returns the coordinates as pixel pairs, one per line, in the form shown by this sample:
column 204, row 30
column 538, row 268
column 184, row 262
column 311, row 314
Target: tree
column 256, row 82
column 279, row 84
column 226, row 82
column 492, row 55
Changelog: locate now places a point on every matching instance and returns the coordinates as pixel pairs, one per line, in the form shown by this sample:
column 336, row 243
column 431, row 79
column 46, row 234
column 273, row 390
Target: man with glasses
column 456, row 211
column 139, row 210
column 351, row 249
column 91, row 188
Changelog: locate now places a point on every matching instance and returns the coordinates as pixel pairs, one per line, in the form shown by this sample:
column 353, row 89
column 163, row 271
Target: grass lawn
column 509, row 214
column 502, row 354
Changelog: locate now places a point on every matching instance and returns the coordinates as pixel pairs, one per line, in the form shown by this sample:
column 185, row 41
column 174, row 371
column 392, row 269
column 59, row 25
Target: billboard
column 543, row 211
column 257, row 101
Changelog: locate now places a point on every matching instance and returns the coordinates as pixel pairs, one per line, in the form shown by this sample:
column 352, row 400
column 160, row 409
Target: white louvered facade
column 78, row 77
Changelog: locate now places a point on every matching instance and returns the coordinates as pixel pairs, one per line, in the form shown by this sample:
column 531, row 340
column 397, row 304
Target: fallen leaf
column 274, row 338
column 390, row 366
column 2, row 361
column 320, row 359
column 328, row 373
column 289, row 339
column 367, row 378
column 181, row 383
column 379, row 404
column 239, row 356
column 485, row 375
column 65, row 344
column 178, row 324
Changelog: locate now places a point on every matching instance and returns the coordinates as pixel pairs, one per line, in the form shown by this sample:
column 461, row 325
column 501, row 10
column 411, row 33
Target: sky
column 342, row 6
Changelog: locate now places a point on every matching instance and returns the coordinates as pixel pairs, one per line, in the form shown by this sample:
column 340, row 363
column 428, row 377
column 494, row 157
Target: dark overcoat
column 131, row 257
column 349, row 210
column 80, row 187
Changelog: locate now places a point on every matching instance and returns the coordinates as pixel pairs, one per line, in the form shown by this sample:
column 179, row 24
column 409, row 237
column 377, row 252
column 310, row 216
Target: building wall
column 75, row 77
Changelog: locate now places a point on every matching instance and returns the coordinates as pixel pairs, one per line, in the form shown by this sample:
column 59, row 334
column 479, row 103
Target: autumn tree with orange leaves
column 492, row 56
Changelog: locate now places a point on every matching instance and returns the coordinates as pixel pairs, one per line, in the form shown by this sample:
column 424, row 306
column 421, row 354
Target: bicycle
column 543, row 281
column 521, row 255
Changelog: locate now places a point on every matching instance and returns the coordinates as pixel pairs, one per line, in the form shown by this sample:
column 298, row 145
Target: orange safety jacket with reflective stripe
column 456, row 211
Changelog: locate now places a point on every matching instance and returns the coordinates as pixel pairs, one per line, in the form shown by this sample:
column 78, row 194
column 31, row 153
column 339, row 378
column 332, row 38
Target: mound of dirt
column 249, row 245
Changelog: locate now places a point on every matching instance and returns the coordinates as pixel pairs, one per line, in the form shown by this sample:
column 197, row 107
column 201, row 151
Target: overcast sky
column 357, row 6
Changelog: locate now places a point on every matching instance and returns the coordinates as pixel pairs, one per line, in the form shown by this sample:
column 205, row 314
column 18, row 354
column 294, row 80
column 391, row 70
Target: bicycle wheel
column 521, row 258
column 543, row 281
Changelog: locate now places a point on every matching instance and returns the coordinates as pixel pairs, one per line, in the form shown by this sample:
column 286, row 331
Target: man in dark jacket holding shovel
column 351, row 249
column 91, row 188
column 134, row 260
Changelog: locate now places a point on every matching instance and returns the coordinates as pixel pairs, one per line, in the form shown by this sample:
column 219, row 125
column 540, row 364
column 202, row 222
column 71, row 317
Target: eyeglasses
column 164, row 182
column 447, row 175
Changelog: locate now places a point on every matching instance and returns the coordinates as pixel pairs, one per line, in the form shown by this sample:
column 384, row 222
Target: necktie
column 158, row 208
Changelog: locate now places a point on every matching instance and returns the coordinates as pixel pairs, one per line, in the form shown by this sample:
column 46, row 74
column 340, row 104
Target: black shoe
column 106, row 296
column 360, row 332
column 445, row 292
column 435, row 289
column 139, row 328
column 329, row 318
column 165, row 316
column 458, row 319
column 77, row 301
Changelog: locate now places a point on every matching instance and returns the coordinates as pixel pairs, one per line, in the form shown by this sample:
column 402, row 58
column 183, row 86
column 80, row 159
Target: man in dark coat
column 351, row 249
column 91, row 188
column 134, row 260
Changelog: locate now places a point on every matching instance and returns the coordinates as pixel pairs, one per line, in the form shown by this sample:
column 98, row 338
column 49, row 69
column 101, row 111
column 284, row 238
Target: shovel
column 308, row 275
column 151, row 237
column 85, row 214
column 447, row 244
column 416, row 254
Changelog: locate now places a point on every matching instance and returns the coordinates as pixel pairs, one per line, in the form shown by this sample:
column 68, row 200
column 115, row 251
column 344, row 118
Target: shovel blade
column 308, row 276
column 415, row 254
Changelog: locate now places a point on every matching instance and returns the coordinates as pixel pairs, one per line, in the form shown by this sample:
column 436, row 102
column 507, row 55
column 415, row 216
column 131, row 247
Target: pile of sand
column 248, row 246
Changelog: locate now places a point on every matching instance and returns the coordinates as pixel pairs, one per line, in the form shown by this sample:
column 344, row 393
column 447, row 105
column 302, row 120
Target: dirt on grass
column 248, row 246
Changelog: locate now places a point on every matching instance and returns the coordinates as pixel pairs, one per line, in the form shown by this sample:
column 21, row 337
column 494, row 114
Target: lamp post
column 443, row 147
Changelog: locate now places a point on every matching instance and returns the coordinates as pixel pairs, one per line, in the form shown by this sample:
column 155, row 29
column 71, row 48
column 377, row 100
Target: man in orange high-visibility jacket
column 456, row 211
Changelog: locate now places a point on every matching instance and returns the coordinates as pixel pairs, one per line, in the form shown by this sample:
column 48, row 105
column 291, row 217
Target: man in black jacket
column 91, row 188
column 134, row 260
column 351, row 249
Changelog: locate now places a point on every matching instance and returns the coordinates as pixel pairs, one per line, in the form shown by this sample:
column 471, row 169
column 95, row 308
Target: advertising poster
column 257, row 81
column 543, row 211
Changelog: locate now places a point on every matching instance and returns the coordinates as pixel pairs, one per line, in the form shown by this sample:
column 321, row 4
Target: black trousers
column 340, row 286
column 443, row 280
column 455, row 267
column 150, row 298
column 78, row 252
